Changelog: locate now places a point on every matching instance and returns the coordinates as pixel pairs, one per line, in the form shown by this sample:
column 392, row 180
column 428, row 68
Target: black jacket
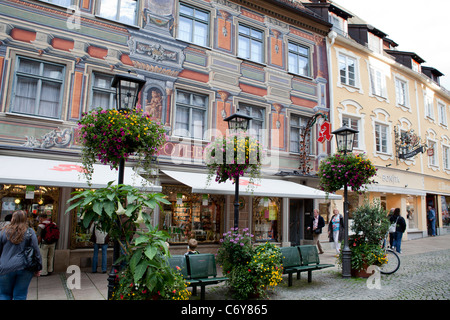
column 401, row 223
column 320, row 224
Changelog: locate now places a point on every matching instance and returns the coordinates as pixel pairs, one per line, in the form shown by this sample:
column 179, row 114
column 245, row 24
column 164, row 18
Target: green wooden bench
column 179, row 263
column 202, row 269
column 310, row 257
column 292, row 263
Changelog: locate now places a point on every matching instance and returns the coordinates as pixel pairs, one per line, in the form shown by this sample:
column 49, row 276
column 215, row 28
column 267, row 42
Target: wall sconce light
column 388, row 165
column 407, row 169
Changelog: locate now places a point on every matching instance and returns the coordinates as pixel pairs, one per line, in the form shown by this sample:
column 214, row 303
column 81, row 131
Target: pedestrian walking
column 15, row 277
column 431, row 216
column 48, row 235
column 391, row 234
column 399, row 230
column 336, row 230
column 317, row 223
column 100, row 239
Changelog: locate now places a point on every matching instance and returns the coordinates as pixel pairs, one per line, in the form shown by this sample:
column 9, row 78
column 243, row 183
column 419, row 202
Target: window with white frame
column 374, row 43
column 258, row 122
column 428, row 102
column 297, row 126
column 446, row 157
column 352, row 123
column 102, row 94
column 377, row 82
column 38, row 88
column 381, row 138
column 442, row 114
column 299, row 59
column 250, row 43
column 193, row 25
column 190, row 114
column 339, row 23
column 401, row 92
column 347, row 70
column 124, row 11
column 432, row 159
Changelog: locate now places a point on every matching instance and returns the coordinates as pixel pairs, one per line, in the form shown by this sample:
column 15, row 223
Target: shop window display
column 32, row 199
column 196, row 216
column 266, row 218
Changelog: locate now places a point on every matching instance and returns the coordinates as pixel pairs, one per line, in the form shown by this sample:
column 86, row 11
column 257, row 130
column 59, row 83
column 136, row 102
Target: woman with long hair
column 14, row 277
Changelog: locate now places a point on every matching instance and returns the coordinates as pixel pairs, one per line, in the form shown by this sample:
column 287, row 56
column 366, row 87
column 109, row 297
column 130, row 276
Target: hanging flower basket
column 229, row 157
column 338, row 168
column 109, row 136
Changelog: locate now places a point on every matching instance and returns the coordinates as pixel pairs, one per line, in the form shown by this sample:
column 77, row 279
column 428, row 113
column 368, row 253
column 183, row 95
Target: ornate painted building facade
column 202, row 60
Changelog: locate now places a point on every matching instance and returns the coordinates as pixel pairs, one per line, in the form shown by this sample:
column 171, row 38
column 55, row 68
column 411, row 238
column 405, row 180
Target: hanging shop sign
column 408, row 144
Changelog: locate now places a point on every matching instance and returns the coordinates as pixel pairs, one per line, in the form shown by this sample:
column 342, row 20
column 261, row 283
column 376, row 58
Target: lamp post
column 344, row 139
column 127, row 93
column 237, row 122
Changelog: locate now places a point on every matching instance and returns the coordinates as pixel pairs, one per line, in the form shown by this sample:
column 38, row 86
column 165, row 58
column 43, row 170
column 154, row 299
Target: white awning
column 42, row 172
column 262, row 187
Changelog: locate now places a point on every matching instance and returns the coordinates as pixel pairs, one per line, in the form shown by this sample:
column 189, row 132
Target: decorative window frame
column 302, row 43
column 252, row 24
column 201, row 7
column 374, row 66
column 339, row 84
column 382, row 117
column 345, row 111
column 407, row 105
column 208, row 133
column 445, row 145
column 442, row 116
column 432, row 136
column 312, row 147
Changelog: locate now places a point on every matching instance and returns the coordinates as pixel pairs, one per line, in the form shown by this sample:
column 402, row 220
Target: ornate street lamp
column 344, row 139
column 127, row 90
column 237, row 122
column 127, row 93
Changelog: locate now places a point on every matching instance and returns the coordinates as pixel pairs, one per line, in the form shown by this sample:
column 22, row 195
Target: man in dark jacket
column 317, row 223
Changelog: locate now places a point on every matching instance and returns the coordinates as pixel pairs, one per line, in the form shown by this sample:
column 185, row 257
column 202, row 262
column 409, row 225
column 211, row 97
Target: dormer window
column 375, row 43
column 339, row 23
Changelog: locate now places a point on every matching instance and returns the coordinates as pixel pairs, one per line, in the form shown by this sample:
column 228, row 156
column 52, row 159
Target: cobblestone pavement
column 423, row 276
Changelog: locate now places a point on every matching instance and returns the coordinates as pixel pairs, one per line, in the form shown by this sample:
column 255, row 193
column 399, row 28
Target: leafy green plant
column 370, row 225
column 120, row 210
column 116, row 209
column 148, row 275
column 236, row 248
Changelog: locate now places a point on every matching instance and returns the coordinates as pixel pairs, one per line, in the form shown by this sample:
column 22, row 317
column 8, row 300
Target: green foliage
column 119, row 210
column 370, row 226
column 148, row 274
column 371, row 222
column 236, row 248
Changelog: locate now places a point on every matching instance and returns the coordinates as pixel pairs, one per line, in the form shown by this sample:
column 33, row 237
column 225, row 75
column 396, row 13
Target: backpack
column 50, row 233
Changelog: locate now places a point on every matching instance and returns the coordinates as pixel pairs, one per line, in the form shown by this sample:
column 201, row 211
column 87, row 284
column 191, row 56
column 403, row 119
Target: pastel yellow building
column 401, row 113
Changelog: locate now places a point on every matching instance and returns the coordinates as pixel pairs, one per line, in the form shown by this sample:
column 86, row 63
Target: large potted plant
column 228, row 157
column 370, row 225
column 109, row 136
column 253, row 271
column 339, row 168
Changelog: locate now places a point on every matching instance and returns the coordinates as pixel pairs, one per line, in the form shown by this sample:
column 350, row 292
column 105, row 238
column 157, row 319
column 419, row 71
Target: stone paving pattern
column 424, row 274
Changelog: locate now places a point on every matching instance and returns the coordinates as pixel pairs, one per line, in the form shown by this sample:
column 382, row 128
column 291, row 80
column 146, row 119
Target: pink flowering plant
column 109, row 136
column 338, row 168
column 229, row 157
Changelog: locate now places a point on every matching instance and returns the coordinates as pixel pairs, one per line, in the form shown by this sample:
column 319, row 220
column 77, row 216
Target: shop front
column 204, row 210
column 44, row 186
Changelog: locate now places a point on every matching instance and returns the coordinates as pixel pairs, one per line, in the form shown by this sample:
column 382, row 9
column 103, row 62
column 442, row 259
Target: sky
column 418, row 26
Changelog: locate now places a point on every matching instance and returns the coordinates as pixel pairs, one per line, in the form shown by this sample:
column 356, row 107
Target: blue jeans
column 433, row 227
column 398, row 241
column 14, row 285
column 104, row 256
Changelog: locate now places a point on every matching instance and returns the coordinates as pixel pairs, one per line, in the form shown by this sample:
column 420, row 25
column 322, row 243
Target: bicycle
column 393, row 260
